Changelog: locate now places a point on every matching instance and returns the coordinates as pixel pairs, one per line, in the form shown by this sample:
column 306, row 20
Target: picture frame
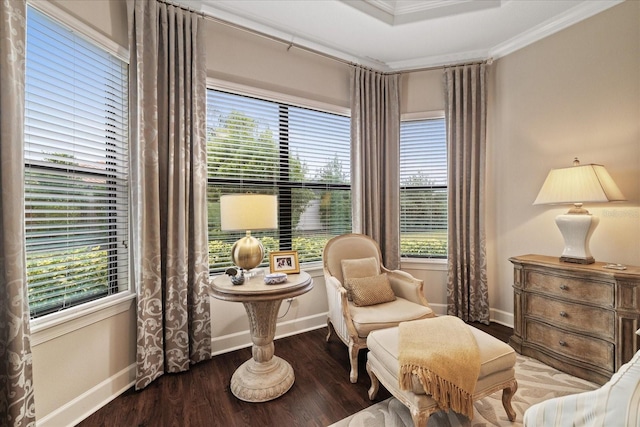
column 284, row 262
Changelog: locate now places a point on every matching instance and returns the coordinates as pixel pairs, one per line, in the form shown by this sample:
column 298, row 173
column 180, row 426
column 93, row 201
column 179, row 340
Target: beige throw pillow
column 357, row 268
column 371, row 290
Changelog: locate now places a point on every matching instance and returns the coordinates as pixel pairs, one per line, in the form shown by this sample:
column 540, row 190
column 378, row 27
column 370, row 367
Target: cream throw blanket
column 443, row 354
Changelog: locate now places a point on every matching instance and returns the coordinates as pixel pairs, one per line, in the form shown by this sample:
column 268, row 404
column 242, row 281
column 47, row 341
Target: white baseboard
column 226, row 343
column 497, row 316
column 439, row 309
column 89, row 402
column 502, row 317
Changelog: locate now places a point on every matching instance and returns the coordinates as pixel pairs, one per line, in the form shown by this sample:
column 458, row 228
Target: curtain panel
column 375, row 159
column 17, row 400
column 466, row 114
column 168, row 188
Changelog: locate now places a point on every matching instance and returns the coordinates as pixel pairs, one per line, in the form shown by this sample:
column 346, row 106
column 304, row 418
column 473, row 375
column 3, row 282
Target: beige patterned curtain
column 169, row 178
column 17, row 403
column 375, row 159
column 466, row 112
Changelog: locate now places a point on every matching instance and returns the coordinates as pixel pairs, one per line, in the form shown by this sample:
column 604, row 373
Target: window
column 423, row 188
column 299, row 154
column 76, row 168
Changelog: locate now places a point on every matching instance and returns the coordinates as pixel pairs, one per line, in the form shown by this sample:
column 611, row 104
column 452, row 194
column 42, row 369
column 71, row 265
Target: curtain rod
column 183, row 7
column 488, row 61
column 290, row 44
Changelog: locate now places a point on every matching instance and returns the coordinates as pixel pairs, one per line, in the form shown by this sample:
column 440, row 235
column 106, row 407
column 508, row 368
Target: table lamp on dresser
column 577, row 185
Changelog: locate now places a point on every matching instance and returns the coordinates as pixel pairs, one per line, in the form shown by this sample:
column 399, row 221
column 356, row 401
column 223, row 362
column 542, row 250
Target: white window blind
column 76, row 168
column 423, row 188
column 299, row 154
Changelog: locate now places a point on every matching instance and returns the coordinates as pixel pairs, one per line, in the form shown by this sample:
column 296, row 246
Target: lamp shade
column 579, row 184
column 241, row 212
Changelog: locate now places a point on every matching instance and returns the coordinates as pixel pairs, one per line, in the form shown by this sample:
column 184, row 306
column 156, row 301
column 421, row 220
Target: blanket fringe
column 446, row 394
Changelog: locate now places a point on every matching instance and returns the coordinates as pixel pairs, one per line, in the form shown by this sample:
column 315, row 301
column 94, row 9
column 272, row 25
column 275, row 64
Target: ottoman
column 497, row 372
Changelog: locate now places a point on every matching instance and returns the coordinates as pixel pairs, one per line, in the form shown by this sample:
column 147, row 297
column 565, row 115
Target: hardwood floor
column 321, row 393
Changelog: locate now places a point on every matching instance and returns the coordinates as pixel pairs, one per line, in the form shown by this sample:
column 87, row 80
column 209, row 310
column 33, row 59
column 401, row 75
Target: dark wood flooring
column 321, row 393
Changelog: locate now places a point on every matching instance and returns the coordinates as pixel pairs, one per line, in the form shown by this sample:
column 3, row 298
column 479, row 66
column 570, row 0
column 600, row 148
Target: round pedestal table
column 265, row 376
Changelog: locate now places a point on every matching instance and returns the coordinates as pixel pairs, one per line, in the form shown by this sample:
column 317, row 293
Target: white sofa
column 616, row 403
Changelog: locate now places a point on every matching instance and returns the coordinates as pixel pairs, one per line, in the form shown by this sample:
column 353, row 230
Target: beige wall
column 240, row 57
column 107, row 17
column 575, row 93
column 422, row 91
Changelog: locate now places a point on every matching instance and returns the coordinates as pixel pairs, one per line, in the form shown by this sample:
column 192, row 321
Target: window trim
column 437, row 264
column 53, row 325
column 422, row 115
column 81, row 29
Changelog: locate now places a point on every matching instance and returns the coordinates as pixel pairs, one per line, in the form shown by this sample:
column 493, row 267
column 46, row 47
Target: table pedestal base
column 262, row 381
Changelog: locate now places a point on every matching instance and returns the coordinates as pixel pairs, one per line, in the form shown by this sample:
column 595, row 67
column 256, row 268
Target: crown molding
column 579, row 13
column 226, row 14
column 438, row 61
column 230, row 17
column 398, row 13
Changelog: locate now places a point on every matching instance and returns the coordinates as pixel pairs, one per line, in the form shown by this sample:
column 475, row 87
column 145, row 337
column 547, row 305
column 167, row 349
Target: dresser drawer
column 574, row 346
column 576, row 289
column 567, row 315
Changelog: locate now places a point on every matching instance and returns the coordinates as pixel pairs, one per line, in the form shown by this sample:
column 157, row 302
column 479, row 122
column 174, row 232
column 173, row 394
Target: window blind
column 76, row 168
column 300, row 155
column 423, row 188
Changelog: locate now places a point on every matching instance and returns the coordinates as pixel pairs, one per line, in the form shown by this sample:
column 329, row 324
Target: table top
column 598, row 268
column 254, row 288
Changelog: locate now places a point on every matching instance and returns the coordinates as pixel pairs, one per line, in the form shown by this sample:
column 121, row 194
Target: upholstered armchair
column 364, row 296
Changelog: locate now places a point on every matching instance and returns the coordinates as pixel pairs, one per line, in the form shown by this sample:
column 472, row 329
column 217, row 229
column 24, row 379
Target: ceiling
column 395, row 35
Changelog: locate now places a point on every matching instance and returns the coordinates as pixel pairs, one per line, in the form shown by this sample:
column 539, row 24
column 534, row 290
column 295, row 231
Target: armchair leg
column 353, row 357
column 507, row 395
column 329, row 327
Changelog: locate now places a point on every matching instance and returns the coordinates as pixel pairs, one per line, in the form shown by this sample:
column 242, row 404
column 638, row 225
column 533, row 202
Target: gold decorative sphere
column 247, row 253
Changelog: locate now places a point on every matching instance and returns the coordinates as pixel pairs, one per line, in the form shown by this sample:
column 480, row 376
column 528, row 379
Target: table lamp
column 577, row 185
column 246, row 212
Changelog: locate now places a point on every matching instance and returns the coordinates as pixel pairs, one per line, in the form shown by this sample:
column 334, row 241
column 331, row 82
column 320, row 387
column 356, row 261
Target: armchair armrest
column 406, row 286
column 339, row 308
column 335, row 284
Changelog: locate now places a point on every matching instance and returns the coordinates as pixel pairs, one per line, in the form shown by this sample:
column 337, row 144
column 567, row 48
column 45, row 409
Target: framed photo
column 284, row 262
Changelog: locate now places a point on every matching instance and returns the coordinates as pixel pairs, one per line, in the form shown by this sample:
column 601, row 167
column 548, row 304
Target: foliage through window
column 76, row 168
column 423, row 188
column 300, row 155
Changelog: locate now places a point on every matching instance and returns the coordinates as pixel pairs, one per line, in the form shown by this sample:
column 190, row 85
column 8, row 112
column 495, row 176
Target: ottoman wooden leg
column 420, row 419
column 507, row 395
column 375, row 384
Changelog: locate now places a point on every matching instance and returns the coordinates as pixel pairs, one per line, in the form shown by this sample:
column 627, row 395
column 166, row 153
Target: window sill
column 58, row 324
column 436, row 264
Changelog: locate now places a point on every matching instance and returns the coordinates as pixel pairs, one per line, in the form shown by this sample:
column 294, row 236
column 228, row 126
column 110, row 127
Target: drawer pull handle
column 564, row 287
column 562, row 343
column 563, row 314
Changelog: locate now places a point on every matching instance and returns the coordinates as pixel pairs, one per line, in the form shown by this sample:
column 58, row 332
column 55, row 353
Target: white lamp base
column 576, row 230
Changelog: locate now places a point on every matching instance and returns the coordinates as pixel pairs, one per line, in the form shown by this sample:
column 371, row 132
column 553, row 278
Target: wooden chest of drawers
column 580, row 319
